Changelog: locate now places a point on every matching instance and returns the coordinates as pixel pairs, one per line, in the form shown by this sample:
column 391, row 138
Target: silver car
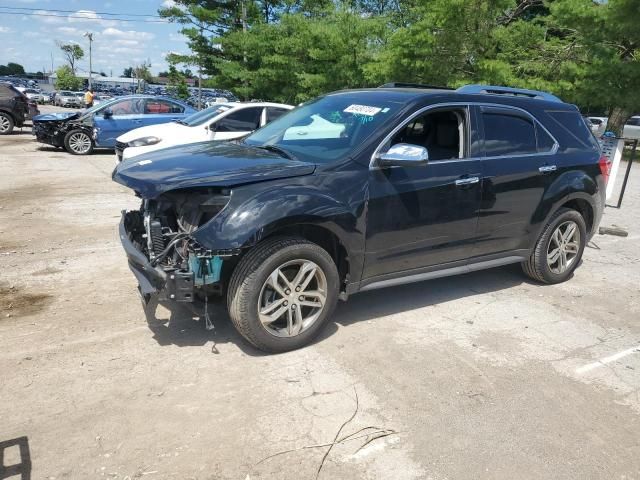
column 66, row 98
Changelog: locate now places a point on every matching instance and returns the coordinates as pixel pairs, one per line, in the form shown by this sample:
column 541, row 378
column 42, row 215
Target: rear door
column 518, row 166
column 238, row 123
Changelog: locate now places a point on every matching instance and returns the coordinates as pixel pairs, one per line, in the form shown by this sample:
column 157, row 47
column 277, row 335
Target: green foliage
column 127, row 72
column 67, row 80
column 585, row 51
column 177, row 85
column 12, row 69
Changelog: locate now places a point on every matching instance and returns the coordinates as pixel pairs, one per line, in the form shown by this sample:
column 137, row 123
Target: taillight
column 605, row 168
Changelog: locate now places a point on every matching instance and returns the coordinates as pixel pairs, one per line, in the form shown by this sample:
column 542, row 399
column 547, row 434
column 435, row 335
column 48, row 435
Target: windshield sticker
column 385, row 110
column 362, row 110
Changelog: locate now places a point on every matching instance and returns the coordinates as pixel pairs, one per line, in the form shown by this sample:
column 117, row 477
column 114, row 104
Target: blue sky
column 30, row 40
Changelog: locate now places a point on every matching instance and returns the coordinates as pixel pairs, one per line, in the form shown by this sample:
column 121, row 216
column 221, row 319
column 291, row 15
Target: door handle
column 548, row 168
column 467, row 181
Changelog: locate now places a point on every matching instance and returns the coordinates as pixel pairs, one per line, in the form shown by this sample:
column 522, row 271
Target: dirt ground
column 482, row 376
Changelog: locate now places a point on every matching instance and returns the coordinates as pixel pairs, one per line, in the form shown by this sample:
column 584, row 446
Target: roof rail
column 412, row 85
column 518, row 92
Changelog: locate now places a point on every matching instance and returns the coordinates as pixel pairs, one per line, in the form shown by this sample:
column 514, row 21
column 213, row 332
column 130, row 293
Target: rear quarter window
column 570, row 130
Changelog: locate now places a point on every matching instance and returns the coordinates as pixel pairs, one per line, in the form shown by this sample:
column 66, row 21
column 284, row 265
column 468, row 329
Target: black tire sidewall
column 543, row 246
column 66, row 142
column 304, row 251
column 12, row 123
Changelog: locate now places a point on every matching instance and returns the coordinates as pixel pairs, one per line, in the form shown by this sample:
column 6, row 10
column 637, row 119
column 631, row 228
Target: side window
column 273, row 113
column 440, row 132
column 245, row 120
column 127, row 107
column 633, row 121
column 162, row 106
column 508, row 135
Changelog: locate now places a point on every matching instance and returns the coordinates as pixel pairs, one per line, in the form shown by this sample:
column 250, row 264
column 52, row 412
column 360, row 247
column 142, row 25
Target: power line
column 42, row 10
column 81, row 17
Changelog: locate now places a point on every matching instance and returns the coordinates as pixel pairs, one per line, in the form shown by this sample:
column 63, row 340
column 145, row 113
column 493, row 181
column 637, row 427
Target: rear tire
column 78, row 142
column 6, row 123
column 559, row 248
column 288, row 275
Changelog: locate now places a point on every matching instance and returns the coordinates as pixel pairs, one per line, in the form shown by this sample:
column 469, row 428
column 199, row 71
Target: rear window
column 508, row 135
column 571, row 130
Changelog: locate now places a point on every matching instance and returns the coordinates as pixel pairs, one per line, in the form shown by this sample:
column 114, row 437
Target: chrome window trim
column 535, row 121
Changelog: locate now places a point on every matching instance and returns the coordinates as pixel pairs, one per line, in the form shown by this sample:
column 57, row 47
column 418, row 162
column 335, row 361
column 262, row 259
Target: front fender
column 255, row 212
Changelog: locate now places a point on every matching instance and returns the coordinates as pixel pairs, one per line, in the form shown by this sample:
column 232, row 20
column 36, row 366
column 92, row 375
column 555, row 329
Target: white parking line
column 603, row 361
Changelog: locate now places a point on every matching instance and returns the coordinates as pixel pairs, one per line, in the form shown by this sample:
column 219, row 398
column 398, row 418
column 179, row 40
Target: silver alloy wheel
column 4, row 124
column 292, row 298
column 563, row 247
column 79, row 142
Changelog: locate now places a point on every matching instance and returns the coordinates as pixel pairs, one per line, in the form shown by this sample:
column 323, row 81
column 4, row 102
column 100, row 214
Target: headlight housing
column 144, row 141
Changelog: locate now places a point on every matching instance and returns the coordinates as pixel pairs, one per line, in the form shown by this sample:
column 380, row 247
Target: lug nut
column 297, row 289
column 286, row 303
column 301, row 298
column 293, row 307
column 287, row 291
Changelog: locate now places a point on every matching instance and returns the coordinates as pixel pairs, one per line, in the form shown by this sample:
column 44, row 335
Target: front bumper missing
column 173, row 286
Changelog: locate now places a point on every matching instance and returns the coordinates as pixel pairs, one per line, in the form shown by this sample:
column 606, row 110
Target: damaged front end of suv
column 163, row 254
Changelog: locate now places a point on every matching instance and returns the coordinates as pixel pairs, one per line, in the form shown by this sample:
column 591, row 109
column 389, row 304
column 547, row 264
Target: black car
column 14, row 108
column 363, row 189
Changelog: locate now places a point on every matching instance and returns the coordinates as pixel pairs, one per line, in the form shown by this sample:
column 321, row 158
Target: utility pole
column 200, row 77
column 89, row 35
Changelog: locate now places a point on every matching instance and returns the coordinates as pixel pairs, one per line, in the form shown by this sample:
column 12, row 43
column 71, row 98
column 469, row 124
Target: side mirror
column 404, row 155
column 107, row 113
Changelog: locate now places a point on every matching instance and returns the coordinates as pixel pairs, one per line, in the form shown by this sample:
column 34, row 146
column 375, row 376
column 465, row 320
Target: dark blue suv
column 364, row 189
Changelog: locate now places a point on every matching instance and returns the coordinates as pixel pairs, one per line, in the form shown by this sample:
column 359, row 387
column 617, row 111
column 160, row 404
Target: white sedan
column 222, row 121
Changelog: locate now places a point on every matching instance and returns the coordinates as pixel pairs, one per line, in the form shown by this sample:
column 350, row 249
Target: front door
column 125, row 115
column 518, row 167
column 425, row 216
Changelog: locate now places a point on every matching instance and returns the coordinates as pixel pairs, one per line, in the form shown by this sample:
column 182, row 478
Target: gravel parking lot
column 482, row 376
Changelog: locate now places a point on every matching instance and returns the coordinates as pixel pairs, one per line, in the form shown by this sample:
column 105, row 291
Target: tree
column 606, row 40
column 72, row 52
column 127, row 72
column 66, row 79
column 12, row 69
column 177, row 85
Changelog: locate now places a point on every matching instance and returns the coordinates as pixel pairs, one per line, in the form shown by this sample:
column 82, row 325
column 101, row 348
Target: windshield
column 66, row 94
column 205, row 115
column 327, row 128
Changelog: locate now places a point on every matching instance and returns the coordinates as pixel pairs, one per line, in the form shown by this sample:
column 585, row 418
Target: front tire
column 78, row 142
column 6, row 124
column 559, row 248
column 282, row 293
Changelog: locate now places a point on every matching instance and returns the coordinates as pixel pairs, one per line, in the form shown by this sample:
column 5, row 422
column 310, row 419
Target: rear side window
column 273, row 113
column 570, row 130
column 506, row 135
column 162, row 106
column 634, row 121
column 245, row 120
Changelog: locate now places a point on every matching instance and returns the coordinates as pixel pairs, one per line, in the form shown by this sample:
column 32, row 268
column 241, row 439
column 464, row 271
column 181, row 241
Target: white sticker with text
column 362, row 110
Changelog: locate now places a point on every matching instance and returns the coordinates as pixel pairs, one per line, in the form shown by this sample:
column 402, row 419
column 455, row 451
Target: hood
column 56, row 117
column 205, row 164
column 159, row 131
